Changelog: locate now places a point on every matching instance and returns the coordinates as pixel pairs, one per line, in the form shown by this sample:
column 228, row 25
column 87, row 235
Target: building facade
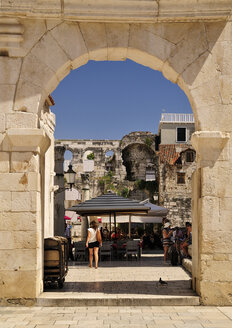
column 176, row 166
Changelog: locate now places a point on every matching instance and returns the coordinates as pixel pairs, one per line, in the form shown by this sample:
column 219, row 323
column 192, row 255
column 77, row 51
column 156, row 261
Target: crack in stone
column 84, row 40
column 17, row 83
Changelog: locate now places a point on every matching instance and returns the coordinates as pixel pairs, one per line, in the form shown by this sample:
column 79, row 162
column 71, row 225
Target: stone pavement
column 123, row 283
column 116, row 317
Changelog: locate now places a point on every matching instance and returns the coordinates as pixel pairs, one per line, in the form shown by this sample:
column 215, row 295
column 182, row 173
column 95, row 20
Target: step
column 116, row 300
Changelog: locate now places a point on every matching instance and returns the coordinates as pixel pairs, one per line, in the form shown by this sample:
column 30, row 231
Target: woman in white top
column 93, row 241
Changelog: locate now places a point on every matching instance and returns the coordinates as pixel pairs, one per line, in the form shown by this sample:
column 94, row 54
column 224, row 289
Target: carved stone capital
column 209, row 146
column 35, row 140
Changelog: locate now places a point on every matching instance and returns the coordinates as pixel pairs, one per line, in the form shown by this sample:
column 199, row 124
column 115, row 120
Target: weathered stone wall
column 176, row 197
column 189, row 42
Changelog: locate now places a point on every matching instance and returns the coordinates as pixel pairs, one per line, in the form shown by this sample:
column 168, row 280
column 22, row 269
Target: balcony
column 177, row 118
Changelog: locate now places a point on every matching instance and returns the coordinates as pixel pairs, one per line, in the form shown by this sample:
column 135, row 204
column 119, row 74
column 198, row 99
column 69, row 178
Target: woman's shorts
column 94, row 244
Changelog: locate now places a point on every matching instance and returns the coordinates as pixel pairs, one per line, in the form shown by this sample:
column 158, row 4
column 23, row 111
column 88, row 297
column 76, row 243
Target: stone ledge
column 34, row 140
column 209, row 146
column 160, row 300
column 121, row 11
column 187, row 264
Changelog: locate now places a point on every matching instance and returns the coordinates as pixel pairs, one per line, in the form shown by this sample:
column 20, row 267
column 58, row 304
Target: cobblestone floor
column 116, row 317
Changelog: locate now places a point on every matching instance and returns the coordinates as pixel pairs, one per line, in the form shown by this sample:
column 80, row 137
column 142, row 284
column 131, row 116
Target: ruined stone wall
column 176, row 197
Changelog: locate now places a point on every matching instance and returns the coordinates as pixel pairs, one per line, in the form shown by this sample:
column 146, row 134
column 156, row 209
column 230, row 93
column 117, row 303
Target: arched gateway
column 189, row 42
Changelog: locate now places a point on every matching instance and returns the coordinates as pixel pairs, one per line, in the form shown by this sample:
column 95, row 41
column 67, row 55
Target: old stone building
column 136, row 159
column 189, row 41
column 176, row 166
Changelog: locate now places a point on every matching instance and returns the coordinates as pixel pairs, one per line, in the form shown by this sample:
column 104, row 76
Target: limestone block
column 218, row 293
column 214, row 241
column 18, row 240
column 7, row 93
column 43, row 50
column 24, row 162
column 9, row 70
column 217, row 32
column 5, row 201
column 210, row 214
column 147, row 42
column 209, row 146
column 217, row 271
column 226, row 89
column 29, row 140
column 226, row 64
column 214, row 117
column 170, row 73
column 2, row 122
column 117, row 41
column 52, row 23
column 38, row 73
column 202, row 70
column 225, row 210
column 189, row 49
column 19, row 221
column 21, row 120
column 4, row 162
column 28, row 97
column 221, row 257
column 172, row 32
column 217, row 181
column 33, row 31
column 20, row 181
column 94, row 35
column 19, row 284
column 75, row 47
column 18, row 259
column 25, row 201
column 207, row 94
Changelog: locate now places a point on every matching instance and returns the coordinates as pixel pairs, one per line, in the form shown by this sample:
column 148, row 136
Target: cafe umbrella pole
column 110, row 225
column 114, row 225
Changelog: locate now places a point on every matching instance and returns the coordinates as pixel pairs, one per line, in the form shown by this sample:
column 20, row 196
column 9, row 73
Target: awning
column 109, row 203
column 134, row 219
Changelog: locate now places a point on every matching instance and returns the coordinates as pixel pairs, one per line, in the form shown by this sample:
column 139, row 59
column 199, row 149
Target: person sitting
column 105, row 234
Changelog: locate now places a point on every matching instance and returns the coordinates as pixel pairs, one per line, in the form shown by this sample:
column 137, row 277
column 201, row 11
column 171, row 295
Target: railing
column 177, row 118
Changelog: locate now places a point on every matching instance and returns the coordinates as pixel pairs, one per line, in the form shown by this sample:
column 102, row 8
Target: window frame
column 183, row 176
column 181, row 127
column 192, row 154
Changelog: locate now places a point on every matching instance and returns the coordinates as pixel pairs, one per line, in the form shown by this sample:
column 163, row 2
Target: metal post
column 110, row 226
column 130, row 226
column 115, row 224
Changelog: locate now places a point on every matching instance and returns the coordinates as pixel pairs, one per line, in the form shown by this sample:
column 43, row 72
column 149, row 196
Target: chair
column 106, row 250
column 80, row 251
column 132, row 249
column 121, row 249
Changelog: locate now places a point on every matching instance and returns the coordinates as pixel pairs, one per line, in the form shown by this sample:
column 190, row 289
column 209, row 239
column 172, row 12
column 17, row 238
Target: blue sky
column 106, row 100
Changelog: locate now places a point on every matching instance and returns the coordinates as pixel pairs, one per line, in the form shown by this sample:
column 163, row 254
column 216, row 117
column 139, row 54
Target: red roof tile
column 168, row 153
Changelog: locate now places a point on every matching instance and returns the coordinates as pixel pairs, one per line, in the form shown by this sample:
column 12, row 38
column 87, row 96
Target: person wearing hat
column 167, row 233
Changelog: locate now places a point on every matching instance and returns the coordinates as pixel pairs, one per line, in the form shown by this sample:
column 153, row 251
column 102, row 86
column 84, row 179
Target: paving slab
column 128, row 316
column 128, row 283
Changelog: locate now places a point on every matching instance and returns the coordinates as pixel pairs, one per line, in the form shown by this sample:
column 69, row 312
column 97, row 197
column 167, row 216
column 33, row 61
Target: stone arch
column 174, row 54
column 196, row 56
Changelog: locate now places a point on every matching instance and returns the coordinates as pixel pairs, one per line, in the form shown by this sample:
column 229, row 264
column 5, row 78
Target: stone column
column 84, row 196
column 212, row 218
column 21, row 214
